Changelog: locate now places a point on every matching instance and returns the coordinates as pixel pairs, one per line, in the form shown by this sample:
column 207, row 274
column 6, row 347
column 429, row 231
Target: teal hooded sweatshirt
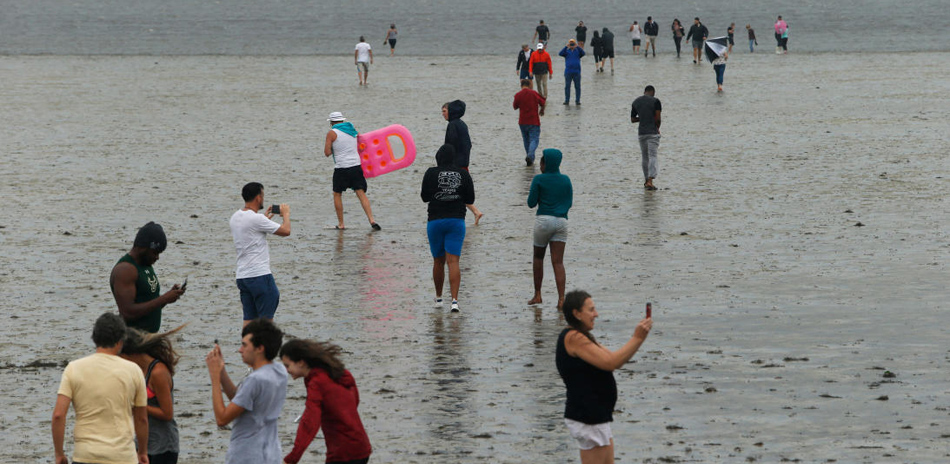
column 551, row 191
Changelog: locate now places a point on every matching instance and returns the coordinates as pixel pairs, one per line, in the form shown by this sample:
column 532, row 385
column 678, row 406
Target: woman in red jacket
column 332, row 399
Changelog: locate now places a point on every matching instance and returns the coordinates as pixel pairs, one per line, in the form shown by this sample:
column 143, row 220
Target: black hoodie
column 446, row 187
column 456, row 134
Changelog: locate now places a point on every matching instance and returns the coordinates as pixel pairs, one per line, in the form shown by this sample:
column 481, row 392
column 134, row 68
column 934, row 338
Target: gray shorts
column 549, row 229
column 362, row 66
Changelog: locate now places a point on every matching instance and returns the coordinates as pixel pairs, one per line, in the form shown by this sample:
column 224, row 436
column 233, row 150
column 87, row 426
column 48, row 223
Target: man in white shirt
column 259, row 294
column 363, row 57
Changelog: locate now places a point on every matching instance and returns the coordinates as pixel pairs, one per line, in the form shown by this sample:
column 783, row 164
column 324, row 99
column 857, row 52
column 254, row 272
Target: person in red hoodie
column 332, row 400
column 540, row 65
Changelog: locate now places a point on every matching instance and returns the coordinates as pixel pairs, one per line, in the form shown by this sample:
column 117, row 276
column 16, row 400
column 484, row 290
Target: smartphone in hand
column 184, row 285
column 649, row 310
column 275, row 209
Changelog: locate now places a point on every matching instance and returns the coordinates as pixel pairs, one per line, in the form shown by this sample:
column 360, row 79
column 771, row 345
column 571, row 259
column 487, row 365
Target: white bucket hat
column 336, row 116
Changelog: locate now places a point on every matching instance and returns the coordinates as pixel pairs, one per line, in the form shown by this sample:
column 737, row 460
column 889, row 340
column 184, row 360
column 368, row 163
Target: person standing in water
column 581, row 31
column 780, row 28
column 553, row 194
column 448, row 189
column 572, row 70
column 341, row 143
column 635, row 34
column 362, row 58
column 135, row 285
column 731, row 33
column 752, row 40
column 586, row 367
column 391, row 35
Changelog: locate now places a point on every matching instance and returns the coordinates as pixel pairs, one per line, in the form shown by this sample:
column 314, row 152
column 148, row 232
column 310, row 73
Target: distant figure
column 541, row 33
column 109, row 397
column 249, row 229
column 785, row 40
column 362, row 58
column 752, row 40
column 572, row 70
column 731, row 32
column 651, row 29
column 581, row 31
column 608, row 39
column 341, row 143
column 156, row 356
column 678, row 33
column 456, row 134
column 586, row 367
column 719, row 65
column 635, row 32
column 597, row 44
column 447, row 189
column 257, row 401
column 530, row 106
column 135, row 285
column 540, row 65
column 524, row 56
column 553, row 194
column 332, row 402
column 391, row 35
column 780, row 28
column 698, row 33
column 646, row 111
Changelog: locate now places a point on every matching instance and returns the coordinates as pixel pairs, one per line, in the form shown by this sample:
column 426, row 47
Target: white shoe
column 438, row 301
column 455, row 306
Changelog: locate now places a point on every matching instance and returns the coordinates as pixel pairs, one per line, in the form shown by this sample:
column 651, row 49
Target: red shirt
column 528, row 101
column 541, row 56
column 332, row 405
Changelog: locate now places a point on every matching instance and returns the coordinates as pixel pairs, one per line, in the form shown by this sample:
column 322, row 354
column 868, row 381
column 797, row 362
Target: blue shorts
column 259, row 296
column 446, row 236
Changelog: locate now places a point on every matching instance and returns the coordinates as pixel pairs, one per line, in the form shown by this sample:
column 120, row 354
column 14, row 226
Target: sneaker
column 455, row 306
column 577, row 103
column 528, row 161
column 567, row 103
column 438, row 301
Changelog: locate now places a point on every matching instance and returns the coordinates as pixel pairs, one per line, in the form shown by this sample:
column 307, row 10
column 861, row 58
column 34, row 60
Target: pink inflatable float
column 379, row 150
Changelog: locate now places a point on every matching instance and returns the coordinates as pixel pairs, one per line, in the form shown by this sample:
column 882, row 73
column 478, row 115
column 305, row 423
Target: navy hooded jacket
column 456, row 134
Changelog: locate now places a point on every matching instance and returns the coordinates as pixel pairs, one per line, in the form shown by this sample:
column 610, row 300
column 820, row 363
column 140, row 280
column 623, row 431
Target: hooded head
column 445, row 157
column 606, row 30
column 552, row 160
column 456, row 109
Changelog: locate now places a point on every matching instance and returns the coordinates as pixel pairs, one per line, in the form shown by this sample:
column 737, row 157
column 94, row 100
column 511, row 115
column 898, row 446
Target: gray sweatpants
column 648, row 147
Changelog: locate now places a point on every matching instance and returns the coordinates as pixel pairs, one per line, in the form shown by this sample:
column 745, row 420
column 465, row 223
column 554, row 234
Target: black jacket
column 522, row 61
column 456, row 134
column 607, row 40
column 651, row 28
column 446, row 187
column 697, row 32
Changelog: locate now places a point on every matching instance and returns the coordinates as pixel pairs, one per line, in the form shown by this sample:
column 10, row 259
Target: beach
column 795, row 252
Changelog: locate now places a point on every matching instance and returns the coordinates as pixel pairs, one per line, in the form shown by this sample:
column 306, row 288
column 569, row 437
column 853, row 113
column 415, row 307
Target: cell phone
column 649, row 310
column 184, row 285
column 275, row 209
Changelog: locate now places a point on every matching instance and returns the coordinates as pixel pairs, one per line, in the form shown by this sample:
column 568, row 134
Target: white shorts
column 549, row 229
column 589, row 436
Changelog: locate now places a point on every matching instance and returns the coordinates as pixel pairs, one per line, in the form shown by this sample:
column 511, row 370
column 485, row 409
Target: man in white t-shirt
column 109, row 396
column 259, row 294
column 363, row 57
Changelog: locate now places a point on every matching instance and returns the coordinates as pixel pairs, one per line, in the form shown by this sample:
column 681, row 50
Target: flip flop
column 376, row 226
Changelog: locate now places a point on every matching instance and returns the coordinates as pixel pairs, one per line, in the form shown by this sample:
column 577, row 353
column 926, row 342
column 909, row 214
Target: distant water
column 430, row 27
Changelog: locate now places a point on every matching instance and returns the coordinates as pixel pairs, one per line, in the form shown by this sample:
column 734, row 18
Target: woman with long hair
column 678, row 33
column 332, row 401
column 157, row 358
column 586, row 367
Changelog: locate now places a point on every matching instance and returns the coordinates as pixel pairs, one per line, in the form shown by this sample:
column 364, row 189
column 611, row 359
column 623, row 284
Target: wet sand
column 795, row 252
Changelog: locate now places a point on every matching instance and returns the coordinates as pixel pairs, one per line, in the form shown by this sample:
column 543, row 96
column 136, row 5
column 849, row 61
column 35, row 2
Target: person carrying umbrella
column 717, row 53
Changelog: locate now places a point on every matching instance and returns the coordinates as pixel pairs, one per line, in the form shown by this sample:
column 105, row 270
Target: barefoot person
column 341, row 144
column 586, row 367
column 447, row 189
column 156, row 356
column 553, row 194
column 332, row 401
column 391, row 36
column 362, row 58
column 456, row 134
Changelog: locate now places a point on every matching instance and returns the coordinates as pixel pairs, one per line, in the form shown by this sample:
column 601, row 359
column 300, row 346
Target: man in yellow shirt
column 109, row 397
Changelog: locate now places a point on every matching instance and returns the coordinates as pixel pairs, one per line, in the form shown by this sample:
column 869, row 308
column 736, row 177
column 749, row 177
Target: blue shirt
column 572, row 59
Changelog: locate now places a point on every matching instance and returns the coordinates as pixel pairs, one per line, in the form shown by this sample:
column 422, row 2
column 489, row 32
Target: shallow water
column 775, row 315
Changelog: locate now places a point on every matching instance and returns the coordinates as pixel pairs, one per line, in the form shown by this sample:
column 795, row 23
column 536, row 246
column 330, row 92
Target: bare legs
column 478, row 214
column 599, row 455
column 557, row 262
column 438, row 275
column 364, row 202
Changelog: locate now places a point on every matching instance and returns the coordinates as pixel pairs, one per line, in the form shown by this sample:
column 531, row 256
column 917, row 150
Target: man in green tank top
column 134, row 283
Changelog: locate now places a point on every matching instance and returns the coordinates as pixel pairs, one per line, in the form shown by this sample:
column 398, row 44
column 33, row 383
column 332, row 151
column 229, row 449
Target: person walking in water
column 646, row 110
column 780, row 29
column 635, row 34
column 731, row 33
column 586, row 367
column 607, row 38
column 530, row 106
column 391, row 35
column 698, row 33
column 341, row 143
column 332, row 401
column 752, row 40
column 447, row 189
column 456, row 134
column 651, row 29
column 572, row 70
column 597, row 44
column 362, row 58
column 719, row 65
column 541, row 33
column 540, row 65
column 524, row 56
column 678, row 33
column 553, row 194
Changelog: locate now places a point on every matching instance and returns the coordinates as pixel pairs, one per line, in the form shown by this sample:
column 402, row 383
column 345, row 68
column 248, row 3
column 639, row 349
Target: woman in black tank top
column 586, row 367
